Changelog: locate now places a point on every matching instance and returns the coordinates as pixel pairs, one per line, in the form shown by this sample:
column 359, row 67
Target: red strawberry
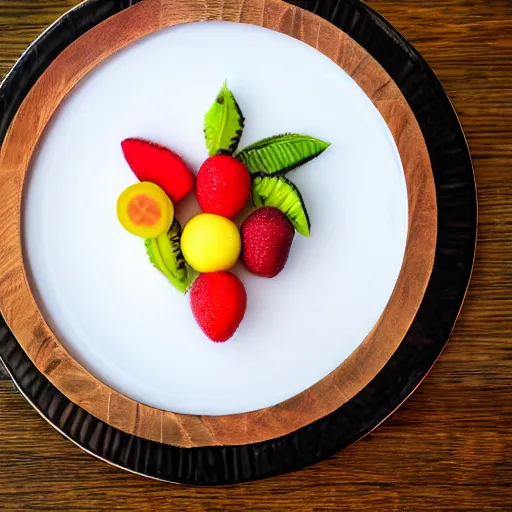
column 223, row 185
column 159, row 165
column 267, row 237
column 218, row 301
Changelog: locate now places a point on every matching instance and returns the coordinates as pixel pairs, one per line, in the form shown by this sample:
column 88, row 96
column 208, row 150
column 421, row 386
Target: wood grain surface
column 352, row 375
column 449, row 446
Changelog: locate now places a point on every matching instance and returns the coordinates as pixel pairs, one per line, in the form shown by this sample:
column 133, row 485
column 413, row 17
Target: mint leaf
column 223, row 124
column 165, row 254
column 282, row 194
column 281, row 153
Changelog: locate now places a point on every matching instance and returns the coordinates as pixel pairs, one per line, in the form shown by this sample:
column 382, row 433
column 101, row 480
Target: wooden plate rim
column 331, row 392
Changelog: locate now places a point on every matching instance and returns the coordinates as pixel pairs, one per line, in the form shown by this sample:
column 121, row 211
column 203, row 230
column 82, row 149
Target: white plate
column 119, row 316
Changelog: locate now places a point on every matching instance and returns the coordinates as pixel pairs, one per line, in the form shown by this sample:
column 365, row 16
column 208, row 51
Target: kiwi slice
column 282, row 194
column 165, row 254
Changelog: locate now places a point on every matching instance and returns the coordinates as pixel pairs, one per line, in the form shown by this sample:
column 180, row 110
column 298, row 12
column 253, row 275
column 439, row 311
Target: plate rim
column 333, row 9
column 329, row 393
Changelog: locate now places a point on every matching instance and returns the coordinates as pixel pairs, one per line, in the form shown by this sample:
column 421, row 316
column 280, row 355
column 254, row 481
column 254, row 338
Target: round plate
column 399, row 373
column 92, row 320
column 333, row 282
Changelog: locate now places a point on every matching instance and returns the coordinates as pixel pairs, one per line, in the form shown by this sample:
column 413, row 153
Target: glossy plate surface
column 119, row 316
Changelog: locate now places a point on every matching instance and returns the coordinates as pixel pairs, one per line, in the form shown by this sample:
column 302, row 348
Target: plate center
column 118, row 316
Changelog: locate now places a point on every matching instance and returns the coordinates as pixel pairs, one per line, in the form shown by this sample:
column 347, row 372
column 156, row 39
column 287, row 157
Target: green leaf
column 223, row 124
column 165, row 254
column 281, row 153
column 282, row 194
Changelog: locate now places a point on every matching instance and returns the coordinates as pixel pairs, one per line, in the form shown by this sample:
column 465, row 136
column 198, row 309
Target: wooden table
column 450, row 446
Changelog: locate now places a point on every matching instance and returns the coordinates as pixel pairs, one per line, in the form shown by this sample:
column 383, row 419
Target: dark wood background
column 450, row 446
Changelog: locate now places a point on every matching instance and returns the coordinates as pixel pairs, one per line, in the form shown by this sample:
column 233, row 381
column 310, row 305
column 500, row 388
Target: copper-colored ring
column 26, row 321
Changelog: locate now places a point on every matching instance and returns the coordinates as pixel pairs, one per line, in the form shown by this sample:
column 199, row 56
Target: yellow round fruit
column 211, row 243
column 145, row 210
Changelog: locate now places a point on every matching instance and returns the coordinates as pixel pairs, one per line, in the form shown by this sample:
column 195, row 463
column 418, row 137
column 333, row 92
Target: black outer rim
column 426, row 338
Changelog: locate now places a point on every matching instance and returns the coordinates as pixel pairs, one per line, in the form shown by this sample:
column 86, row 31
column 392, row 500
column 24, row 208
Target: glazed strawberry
column 267, row 237
column 218, row 301
column 223, row 185
column 159, row 165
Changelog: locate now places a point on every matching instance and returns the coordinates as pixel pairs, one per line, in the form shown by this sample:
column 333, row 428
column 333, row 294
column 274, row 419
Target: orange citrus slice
column 145, row 210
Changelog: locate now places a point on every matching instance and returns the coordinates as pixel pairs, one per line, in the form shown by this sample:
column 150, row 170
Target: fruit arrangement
column 199, row 257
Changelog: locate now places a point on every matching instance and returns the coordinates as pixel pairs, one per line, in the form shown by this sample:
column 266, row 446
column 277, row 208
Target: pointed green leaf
column 165, row 254
column 223, row 124
column 281, row 153
column 282, row 194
